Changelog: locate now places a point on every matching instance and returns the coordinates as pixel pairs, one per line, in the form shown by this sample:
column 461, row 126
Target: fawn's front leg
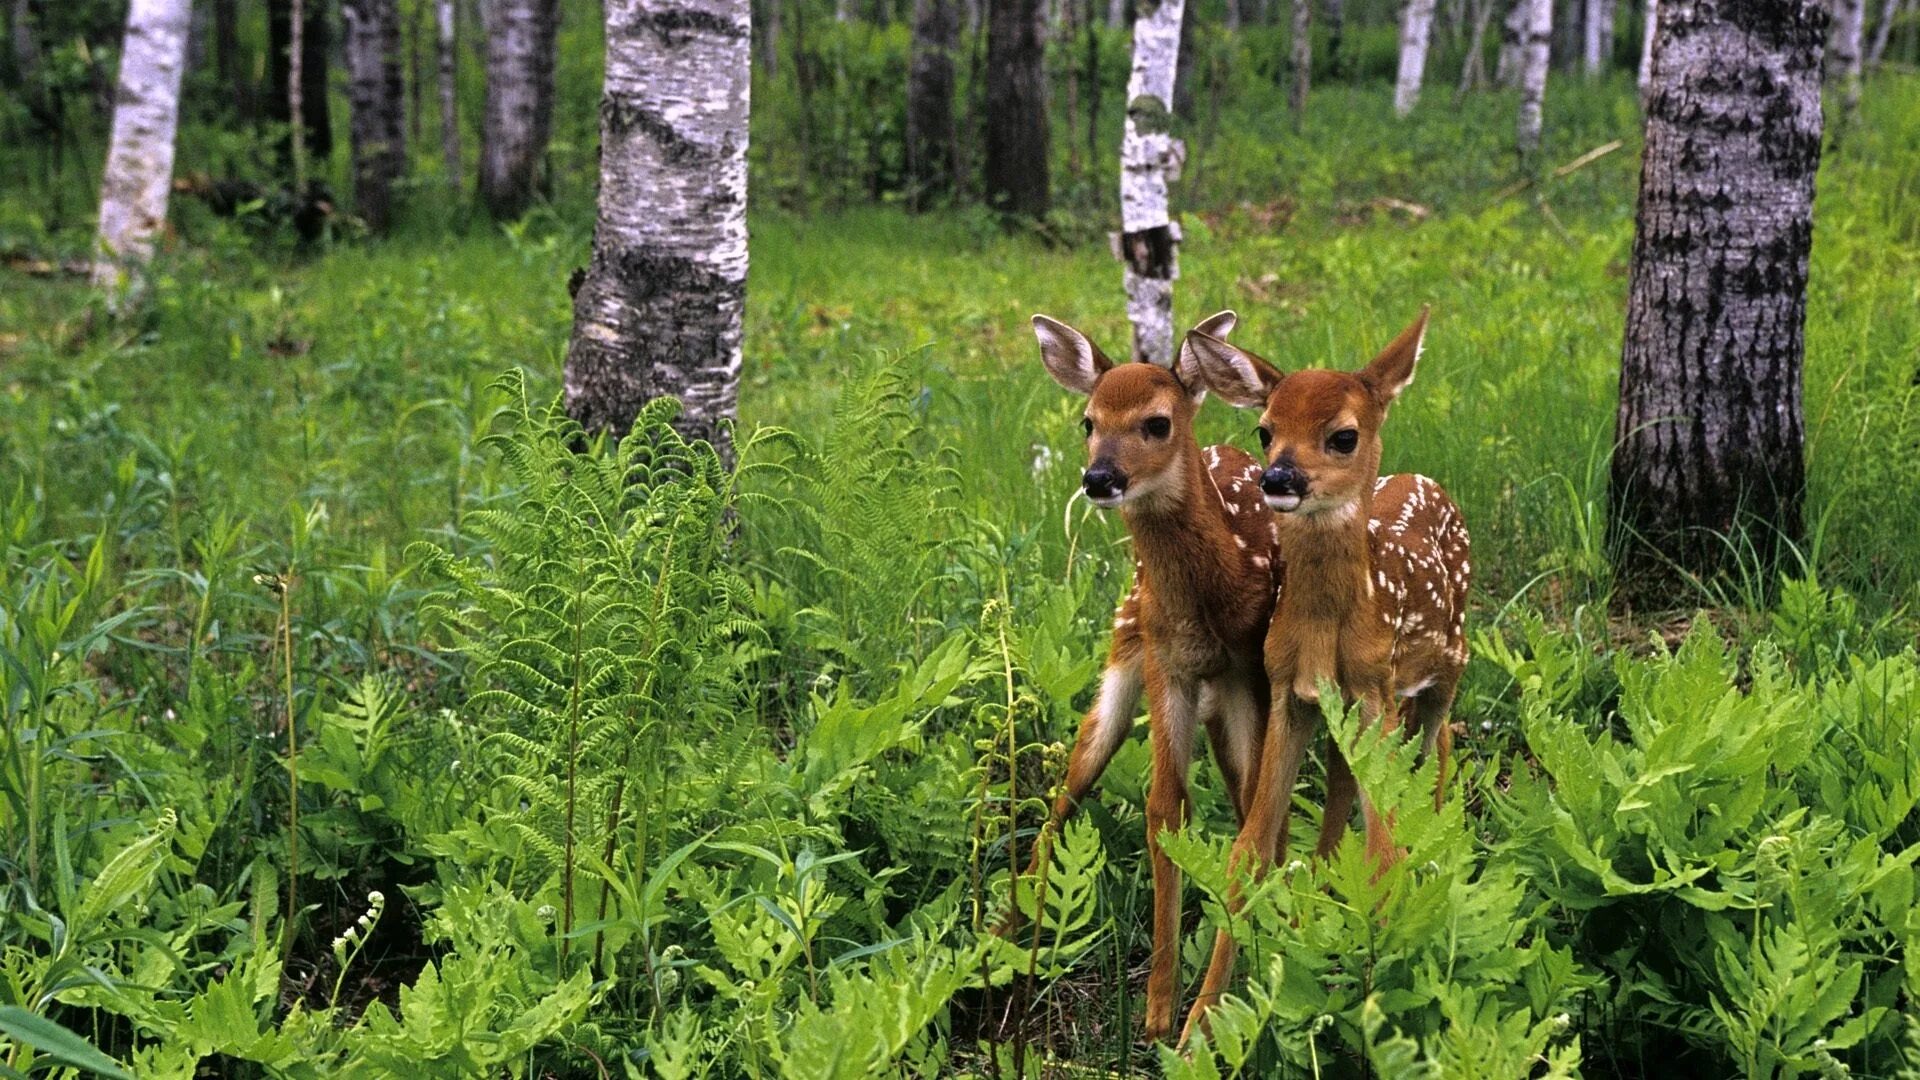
column 1172, row 702
column 1262, row 838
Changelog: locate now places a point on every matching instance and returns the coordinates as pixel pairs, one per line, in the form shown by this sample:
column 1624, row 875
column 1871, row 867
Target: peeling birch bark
column 1416, row 28
column 658, row 309
column 1150, row 161
column 1845, row 67
column 1513, row 37
column 1710, row 431
column 1536, row 46
column 139, row 171
column 519, row 103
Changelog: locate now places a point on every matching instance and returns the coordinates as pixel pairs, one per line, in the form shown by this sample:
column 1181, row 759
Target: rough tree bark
column 1016, row 177
column 1416, row 28
column 146, row 112
column 376, row 95
column 447, row 40
column 1844, row 68
column 1302, row 60
column 313, row 39
column 659, row 307
column 1150, row 160
column 519, row 103
column 1536, row 44
column 1647, row 39
column 1883, row 32
column 930, row 83
column 1709, row 435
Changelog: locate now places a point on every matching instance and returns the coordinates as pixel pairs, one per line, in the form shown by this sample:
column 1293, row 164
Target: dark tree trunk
column 519, row 106
column 376, row 93
column 930, row 131
column 230, row 68
column 27, row 67
column 1183, row 67
column 1708, row 443
column 659, row 308
column 1091, row 80
column 315, row 48
column 1336, row 11
column 1017, row 164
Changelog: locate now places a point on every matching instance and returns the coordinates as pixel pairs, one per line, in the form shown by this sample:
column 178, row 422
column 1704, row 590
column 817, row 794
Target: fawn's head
column 1320, row 429
column 1139, row 417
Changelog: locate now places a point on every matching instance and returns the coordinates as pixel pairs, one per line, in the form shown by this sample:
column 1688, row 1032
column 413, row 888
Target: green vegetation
column 619, row 764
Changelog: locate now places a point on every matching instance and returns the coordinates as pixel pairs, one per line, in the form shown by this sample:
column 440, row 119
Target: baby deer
column 1207, row 566
column 1374, row 605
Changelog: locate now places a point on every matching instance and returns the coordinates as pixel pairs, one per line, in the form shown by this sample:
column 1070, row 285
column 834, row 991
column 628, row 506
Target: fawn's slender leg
column 1340, row 792
column 1430, row 711
column 1235, row 712
column 1172, row 703
column 1286, row 743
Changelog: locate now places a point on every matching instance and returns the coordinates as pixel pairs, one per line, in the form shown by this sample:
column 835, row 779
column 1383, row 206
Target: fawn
column 1373, row 604
column 1207, row 566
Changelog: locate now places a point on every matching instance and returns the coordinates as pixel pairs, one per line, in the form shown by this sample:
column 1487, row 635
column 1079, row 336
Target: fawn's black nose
column 1284, row 479
column 1103, row 481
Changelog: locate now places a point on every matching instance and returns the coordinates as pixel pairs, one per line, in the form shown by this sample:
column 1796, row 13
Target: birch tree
column 1844, row 67
column 1709, row 433
column 1473, row 72
column 1302, row 60
column 519, row 103
column 658, row 310
column 1150, row 160
column 1536, row 44
column 375, row 92
column 1017, row 176
column 299, row 45
column 1647, row 38
column 1598, row 44
column 1513, row 37
column 1416, row 28
column 930, row 82
column 139, row 171
column 1883, row 32
column 447, row 27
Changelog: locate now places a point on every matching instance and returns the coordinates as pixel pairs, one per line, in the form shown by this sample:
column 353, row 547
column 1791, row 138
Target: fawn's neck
column 1329, row 590
column 1183, row 540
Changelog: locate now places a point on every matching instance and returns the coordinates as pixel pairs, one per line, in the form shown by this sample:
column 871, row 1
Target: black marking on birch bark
column 1149, row 252
column 624, row 117
column 675, row 26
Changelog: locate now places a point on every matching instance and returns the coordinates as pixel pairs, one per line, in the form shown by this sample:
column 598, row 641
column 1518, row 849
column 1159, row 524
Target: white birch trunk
column 659, row 309
column 1647, row 36
column 139, row 172
column 448, row 40
column 1416, row 28
column 1513, row 36
column 1116, row 13
column 1302, row 60
column 1883, row 32
column 1844, row 66
column 1593, row 56
column 1535, row 48
column 1150, row 161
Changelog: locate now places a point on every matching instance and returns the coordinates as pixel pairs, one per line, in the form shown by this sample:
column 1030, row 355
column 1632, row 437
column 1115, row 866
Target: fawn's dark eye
column 1158, row 427
column 1086, row 425
column 1266, row 437
column 1343, row 441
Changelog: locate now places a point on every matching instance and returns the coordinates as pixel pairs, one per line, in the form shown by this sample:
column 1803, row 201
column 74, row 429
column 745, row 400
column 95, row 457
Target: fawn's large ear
column 1392, row 370
column 1230, row 371
column 1074, row 362
column 1186, row 365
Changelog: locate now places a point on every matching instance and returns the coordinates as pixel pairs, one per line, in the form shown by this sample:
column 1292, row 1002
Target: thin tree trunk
column 416, row 72
column 1416, row 28
column 1883, row 32
column 770, row 37
column 1116, row 13
column 1535, row 52
column 1844, row 67
column 1473, row 72
column 376, row 93
column 139, row 173
column 447, row 40
column 930, row 83
column 1513, row 39
column 298, row 45
column 1709, row 434
column 1593, row 55
column 229, row 67
column 297, row 94
column 27, row 65
column 1092, row 80
column 659, row 308
column 1070, row 19
column 1336, row 26
column 1230, row 18
column 1183, row 67
column 1017, row 180
column 519, row 103
column 1302, row 59
column 1647, row 39
column 1150, row 160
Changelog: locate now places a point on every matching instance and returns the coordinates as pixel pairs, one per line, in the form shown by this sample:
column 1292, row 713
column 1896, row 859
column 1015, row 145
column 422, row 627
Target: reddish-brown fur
column 1374, row 604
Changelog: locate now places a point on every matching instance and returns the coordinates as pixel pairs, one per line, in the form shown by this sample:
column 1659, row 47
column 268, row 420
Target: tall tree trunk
column 230, row 68
column 1883, row 32
column 1230, row 18
column 1535, row 51
column 139, row 173
column 1150, row 160
column 770, row 37
column 1016, row 180
column 1844, row 68
column 27, row 65
column 519, row 103
column 1647, row 39
column 1598, row 36
column 1183, row 103
column 1070, row 21
column 299, row 43
column 1302, row 59
column 1709, row 435
column 1416, row 28
column 930, row 83
column 416, row 71
column 376, row 94
column 1513, row 41
column 659, row 308
column 1336, row 12
column 447, row 43
column 1091, row 78
column 1473, row 72
column 1116, row 13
